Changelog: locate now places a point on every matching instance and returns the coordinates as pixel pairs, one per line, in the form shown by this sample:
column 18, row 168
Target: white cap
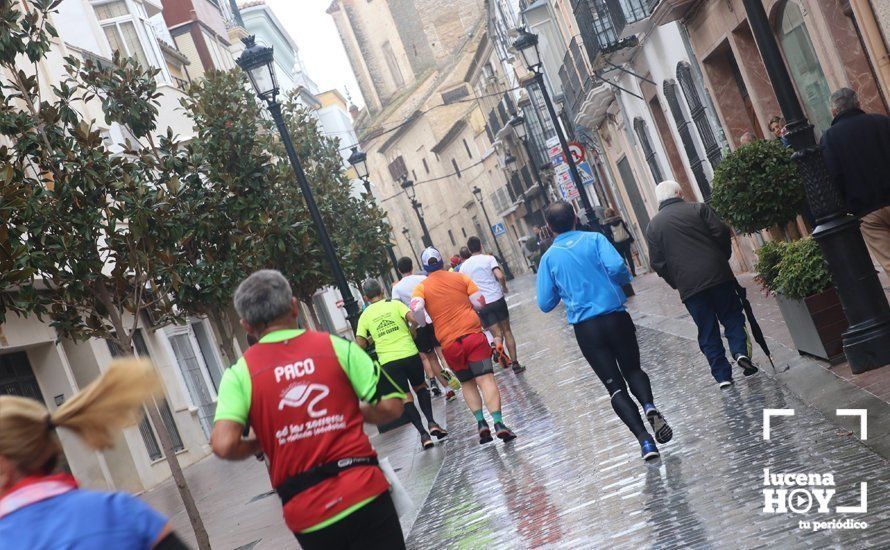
column 431, row 256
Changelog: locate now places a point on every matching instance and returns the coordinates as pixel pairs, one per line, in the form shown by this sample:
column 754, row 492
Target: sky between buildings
column 315, row 33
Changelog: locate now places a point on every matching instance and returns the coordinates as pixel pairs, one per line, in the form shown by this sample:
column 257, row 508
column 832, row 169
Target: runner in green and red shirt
column 300, row 391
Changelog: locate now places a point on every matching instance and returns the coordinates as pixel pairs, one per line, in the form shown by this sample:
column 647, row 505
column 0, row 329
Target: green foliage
column 795, row 270
column 757, row 186
column 97, row 223
column 768, row 258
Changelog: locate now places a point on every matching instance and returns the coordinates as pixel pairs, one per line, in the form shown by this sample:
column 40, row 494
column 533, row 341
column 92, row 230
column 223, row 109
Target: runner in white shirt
column 425, row 338
column 485, row 271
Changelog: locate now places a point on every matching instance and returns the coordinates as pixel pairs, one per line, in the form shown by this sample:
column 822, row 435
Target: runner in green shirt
column 387, row 324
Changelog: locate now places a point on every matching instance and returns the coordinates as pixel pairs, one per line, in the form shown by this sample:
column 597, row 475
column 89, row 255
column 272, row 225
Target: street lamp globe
column 518, row 125
column 408, row 187
column 359, row 162
column 257, row 61
column 527, row 45
column 477, row 193
column 419, row 208
column 405, row 232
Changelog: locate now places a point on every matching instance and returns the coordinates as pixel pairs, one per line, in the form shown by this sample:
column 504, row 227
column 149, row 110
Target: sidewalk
column 827, row 387
column 241, row 512
column 574, row 479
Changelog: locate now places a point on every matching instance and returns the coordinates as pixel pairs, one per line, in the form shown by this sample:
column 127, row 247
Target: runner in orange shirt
column 451, row 300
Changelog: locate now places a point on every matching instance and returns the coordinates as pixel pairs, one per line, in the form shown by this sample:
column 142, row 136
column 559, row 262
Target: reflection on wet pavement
column 574, row 477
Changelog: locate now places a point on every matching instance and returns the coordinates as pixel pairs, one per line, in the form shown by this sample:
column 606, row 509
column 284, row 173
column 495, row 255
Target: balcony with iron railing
column 609, row 27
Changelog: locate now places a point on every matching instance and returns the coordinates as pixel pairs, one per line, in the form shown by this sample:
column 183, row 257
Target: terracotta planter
column 817, row 324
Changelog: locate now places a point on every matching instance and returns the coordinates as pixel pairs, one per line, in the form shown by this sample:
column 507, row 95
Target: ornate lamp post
column 478, row 194
column 257, row 62
column 407, row 235
column 359, row 161
column 527, row 45
column 518, row 125
column 408, row 186
column 867, row 340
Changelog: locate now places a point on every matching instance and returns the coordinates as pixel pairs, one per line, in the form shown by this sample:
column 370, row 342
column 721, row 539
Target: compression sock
column 496, row 417
column 629, row 413
column 426, row 403
column 479, row 416
column 414, row 417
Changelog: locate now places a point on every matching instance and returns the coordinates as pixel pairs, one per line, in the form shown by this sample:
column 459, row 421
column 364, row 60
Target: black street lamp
column 407, row 235
column 518, row 125
column 478, row 194
column 408, row 186
column 867, row 340
column 527, row 45
column 359, row 161
column 257, row 61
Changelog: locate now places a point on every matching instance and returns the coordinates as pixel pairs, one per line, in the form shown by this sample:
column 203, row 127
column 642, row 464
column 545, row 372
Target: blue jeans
column 719, row 303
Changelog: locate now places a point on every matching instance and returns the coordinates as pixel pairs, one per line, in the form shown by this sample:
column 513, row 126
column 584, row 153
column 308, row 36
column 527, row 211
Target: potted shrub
column 796, row 273
column 757, row 187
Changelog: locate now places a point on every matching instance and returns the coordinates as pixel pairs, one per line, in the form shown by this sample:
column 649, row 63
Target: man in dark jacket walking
column 856, row 150
column 690, row 247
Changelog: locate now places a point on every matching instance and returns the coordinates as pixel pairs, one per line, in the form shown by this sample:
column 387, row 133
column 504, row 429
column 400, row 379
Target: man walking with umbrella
column 690, row 247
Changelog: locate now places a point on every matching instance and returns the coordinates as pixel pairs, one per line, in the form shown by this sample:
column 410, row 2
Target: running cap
column 431, row 260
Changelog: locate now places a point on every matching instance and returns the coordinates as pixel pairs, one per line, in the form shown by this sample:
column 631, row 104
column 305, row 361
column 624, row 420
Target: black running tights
column 609, row 343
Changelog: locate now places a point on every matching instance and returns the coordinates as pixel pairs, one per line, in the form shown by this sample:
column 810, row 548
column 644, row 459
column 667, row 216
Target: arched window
column 698, row 112
column 643, row 135
column 800, row 56
column 695, row 162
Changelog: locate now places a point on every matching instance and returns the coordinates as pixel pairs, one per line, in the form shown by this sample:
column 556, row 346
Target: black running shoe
column 517, row 368
column 748, row 367
column 484, row 433
column 434, row 388
column 663, row 432
column 504, row 433
column 426, row 442
column 437, row 431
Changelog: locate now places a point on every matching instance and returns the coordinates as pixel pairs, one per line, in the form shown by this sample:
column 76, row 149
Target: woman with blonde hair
column 40, row 509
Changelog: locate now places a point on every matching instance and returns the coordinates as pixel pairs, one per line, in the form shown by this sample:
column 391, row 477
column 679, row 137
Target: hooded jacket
column 689, row 247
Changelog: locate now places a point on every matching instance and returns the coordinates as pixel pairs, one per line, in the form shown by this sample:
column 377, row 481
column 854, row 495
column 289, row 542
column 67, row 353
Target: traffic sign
column 498, row 229
column 577, row 151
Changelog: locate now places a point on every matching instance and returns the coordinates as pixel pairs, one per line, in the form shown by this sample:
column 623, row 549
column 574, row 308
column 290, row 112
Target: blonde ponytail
column 96, row 413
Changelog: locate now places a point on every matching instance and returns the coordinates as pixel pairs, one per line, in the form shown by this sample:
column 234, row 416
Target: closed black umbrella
column 756, row 332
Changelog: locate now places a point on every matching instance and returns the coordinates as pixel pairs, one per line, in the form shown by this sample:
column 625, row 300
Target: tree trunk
column 184, row 492
column 223, row 330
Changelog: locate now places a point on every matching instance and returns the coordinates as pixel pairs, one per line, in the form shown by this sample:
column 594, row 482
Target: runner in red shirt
column 451, row 300
column 300, row 393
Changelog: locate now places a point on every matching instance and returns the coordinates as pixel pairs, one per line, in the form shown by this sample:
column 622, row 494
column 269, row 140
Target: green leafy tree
column 225, row 202
column 357, row 226
column 91, row 230
column 757, row 186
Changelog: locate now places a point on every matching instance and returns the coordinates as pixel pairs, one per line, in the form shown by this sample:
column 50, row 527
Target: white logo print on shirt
column 298, row 394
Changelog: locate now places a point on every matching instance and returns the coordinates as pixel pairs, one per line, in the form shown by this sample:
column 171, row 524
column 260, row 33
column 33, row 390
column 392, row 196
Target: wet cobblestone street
column 574, row 477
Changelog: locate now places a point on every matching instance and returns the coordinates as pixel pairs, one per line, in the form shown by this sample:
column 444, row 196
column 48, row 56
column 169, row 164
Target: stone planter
column 817, row 324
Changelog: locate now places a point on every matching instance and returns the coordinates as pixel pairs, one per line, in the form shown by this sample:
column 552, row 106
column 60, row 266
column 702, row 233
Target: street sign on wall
column 498, row 229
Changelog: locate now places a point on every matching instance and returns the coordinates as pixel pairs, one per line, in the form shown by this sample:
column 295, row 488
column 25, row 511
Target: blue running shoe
column 650, row 451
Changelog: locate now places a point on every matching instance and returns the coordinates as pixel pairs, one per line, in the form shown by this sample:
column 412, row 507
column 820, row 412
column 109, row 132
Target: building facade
column 425, row 129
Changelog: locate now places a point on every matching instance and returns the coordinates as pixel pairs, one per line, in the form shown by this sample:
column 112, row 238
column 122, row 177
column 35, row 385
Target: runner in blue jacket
column 584, row 271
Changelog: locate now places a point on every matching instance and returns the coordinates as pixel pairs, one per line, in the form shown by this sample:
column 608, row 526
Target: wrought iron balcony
column 575, row 74
column 629, row 16
column 606, row 30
